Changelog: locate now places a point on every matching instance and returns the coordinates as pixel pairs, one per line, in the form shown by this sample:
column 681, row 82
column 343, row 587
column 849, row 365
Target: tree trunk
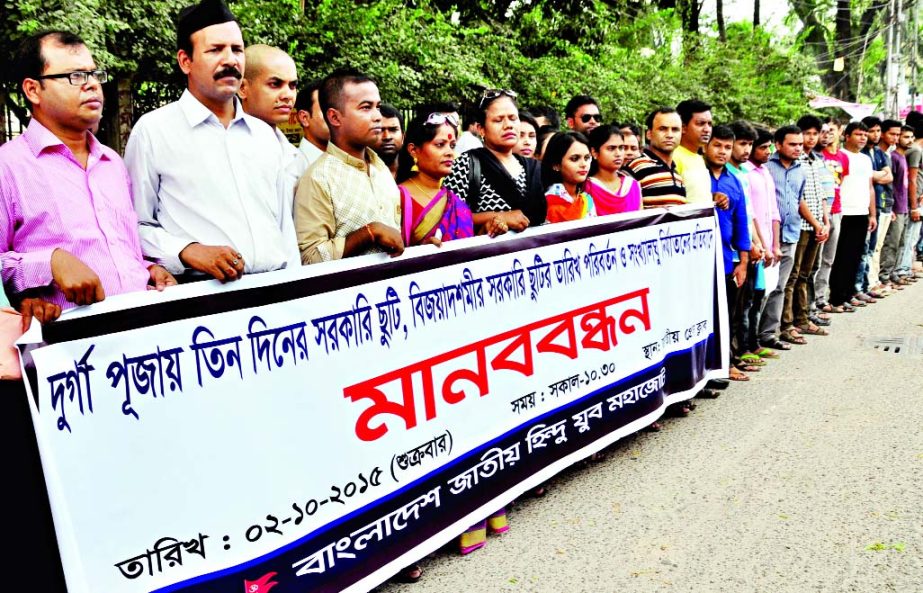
column 722, row 32
column 125, row 112
column 756, row 13
column 689, row 16
column 3, row 131
column 844, row 30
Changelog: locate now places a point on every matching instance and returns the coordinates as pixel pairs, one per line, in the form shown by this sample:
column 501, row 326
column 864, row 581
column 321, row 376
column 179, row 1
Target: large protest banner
column 318, row 429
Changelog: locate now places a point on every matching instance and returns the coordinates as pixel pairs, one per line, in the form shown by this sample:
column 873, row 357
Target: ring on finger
column 235, row 262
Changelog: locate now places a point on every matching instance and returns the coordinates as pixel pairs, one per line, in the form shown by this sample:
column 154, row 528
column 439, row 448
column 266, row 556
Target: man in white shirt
column 469, row 140
column 204, row 173
column 268, row 93
column 313, row 126
column 857, row 199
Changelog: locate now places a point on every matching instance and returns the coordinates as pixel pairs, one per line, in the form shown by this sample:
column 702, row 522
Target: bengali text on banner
column 318, row 429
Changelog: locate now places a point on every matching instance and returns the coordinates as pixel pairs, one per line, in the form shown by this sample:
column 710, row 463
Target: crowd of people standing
column 816, row 218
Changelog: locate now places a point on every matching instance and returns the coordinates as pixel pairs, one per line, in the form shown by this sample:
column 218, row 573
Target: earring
column 414, row 169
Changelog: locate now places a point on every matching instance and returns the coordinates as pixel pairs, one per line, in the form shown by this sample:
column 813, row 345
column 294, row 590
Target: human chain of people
column 807, row 221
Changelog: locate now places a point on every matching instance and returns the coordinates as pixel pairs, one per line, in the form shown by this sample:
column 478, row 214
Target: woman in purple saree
column 430, row 212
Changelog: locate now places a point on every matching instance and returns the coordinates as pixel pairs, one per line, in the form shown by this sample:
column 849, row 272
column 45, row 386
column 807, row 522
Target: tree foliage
column 631, row 55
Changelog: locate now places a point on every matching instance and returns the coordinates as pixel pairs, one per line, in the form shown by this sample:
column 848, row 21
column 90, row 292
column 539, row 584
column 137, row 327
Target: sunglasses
column 586, row 117
column 437, row 119
column 490, row 94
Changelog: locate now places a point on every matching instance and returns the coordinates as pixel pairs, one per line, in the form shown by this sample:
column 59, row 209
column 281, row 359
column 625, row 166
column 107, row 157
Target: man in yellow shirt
column 697, row 125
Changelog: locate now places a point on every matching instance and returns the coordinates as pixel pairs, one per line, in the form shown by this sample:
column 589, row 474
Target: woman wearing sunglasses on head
column 503, row 189
column 430, row 212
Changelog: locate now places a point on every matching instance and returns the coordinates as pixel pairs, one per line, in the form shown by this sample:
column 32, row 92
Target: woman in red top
column 430, row 212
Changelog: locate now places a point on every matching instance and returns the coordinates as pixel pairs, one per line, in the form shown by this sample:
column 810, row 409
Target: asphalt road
column 809, row 478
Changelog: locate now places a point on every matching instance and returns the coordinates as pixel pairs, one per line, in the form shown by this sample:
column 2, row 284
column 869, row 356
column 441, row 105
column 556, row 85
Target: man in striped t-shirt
column 655, row 170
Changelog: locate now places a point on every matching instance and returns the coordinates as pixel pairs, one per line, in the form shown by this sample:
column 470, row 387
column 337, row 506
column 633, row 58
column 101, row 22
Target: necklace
column 424, row 191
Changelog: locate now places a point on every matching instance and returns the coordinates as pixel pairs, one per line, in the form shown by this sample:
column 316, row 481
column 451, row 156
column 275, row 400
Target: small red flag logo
column 261, row 585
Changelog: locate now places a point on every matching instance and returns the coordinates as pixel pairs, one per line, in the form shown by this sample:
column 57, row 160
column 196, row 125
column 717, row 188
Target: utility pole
column 913, row 56
column 889, row 59
column 900, row 73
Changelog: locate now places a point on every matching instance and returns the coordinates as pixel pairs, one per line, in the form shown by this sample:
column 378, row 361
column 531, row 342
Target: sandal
column 788, row 336
column 409, row 574
column 819, row 321
column 828, row 308
column 679, row 410
column 775, row 343
column 498, row 523
column 736, row 375
column 814, row 330
column 765, row 353
column 747, row 368
column 655, row 427
column 752, row 359
column 473, row 539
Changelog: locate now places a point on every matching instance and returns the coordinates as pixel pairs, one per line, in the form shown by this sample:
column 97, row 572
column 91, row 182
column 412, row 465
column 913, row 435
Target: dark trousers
column 849, row 251
column 732, row 291
column 28, row 516
column 739, row 319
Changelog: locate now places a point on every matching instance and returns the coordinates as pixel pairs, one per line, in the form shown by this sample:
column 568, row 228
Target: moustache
column 229, row 71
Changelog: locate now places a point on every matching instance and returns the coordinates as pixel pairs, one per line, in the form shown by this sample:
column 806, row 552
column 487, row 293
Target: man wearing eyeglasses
column 68, row 237
column 68, row 232
column 204, row 173
column 582, row 113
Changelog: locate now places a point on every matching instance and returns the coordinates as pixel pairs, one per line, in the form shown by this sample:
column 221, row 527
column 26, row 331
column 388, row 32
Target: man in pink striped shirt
column 765, row 213
column 68, row 229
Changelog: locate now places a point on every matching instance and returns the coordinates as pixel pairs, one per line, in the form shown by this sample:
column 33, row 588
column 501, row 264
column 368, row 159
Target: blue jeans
column 908, row 248
column 862, row 281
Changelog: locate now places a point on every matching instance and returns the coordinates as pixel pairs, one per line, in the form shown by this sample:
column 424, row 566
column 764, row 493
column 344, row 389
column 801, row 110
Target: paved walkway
column 809, row 478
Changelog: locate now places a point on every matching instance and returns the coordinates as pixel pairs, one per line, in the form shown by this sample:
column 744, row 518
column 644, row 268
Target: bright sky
column 772, row 12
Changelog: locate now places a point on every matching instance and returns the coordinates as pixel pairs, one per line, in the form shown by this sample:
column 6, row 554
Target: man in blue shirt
column 867, row 283
column 735, row 230
column 785, row 168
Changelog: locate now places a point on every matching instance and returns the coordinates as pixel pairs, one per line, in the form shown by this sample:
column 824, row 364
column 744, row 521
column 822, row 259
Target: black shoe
column 718, row 384
column 709, row 393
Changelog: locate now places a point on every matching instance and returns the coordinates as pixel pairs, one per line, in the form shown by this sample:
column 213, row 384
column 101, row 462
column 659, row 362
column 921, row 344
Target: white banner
column 320, row 428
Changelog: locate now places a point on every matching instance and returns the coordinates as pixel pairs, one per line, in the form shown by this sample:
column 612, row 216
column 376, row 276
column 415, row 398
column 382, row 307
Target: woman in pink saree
column 431, row 213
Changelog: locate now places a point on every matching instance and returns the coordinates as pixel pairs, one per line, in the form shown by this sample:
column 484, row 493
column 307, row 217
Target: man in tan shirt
column 347, row 203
